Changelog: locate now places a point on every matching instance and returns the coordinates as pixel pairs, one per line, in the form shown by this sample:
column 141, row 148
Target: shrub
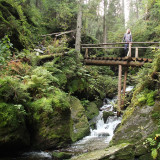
column 11, row 115
column 5, row 52
column 12, row 90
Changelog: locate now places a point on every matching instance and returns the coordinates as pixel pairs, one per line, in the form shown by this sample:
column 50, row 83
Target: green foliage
column 58, row 46
column 11, row 115
column 60, row 100
column 5, row 52
column 154, row 144
column 13, row 23
column 12, row 90
column 40, row 82
column 147, row 97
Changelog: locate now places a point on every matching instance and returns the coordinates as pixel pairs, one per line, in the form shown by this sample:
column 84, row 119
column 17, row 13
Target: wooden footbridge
column 129, row 60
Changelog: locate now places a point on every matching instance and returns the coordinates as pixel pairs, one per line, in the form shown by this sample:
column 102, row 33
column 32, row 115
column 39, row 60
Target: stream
column 99, row 137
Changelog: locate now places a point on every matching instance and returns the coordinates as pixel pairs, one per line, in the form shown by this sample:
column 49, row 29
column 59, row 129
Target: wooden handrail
column 115, row 47
column 120, row 43
column 103, row 46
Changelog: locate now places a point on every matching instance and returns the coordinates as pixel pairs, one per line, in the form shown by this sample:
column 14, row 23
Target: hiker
column 127, row 38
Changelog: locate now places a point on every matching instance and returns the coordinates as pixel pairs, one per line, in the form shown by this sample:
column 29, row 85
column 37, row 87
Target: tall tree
column 79, row 26
column 123, row 13
column 104, row 22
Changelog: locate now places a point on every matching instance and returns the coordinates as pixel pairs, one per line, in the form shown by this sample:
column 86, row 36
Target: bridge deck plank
column 113, row 61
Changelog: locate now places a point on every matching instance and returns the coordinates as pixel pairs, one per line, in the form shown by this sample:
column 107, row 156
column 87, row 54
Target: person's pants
column 126, row 48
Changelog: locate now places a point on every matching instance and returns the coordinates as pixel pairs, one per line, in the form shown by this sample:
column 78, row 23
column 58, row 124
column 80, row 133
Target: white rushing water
column 104, row 129
column 37, row 155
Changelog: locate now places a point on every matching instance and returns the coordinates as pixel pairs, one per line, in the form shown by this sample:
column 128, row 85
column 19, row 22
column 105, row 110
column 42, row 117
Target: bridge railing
column 129, row 54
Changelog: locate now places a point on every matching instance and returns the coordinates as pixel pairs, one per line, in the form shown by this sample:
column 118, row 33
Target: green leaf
column 154, row 153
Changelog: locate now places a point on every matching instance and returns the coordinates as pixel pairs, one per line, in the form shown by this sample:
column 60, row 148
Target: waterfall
column 100, row 137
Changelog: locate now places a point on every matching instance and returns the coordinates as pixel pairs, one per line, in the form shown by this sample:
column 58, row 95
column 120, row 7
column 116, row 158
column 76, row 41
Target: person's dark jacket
column 127, row 37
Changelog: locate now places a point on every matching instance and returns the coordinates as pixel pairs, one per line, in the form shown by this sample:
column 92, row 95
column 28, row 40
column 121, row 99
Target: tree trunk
column 123, row 13
column 79, row 27
column 137, row 9
column 104, row 23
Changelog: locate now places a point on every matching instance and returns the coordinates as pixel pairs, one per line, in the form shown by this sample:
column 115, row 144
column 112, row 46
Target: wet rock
column 61, row 155
column 51, row 129
column 136, row 126
column 107, row 114
column 103, row 134
column 122, row 151
column 91, row 110
column 139, row 125
column 79, row 122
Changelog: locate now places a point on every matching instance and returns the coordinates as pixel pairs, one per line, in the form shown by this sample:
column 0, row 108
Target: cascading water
column 103, row 133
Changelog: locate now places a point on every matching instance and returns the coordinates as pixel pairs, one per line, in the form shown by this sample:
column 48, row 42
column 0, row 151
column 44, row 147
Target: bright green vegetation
column 47, row 99
column 39, row 99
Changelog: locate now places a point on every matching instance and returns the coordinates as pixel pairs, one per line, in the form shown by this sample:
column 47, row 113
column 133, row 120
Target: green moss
column 51, row 124
column 61, row 155
column 107, row 114
column 91, row 110
column 79, row 123
column 122, row 151
column 127, row 114
column 13, row 131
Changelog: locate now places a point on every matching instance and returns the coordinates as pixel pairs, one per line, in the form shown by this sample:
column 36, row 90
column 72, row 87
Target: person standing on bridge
column 127, row 38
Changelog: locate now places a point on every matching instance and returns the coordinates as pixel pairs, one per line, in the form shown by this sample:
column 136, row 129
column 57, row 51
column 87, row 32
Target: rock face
column 79, row 122
column 135, row 129
column 139, row 125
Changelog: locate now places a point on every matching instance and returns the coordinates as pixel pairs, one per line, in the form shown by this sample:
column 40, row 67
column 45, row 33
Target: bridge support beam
column 119, row 90
column 124, row 86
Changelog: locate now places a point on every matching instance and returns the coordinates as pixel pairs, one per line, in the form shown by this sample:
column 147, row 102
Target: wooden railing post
column 136, row 52
column 119, row 90
column 86, row 53
column 129, row 50
column 124, row 85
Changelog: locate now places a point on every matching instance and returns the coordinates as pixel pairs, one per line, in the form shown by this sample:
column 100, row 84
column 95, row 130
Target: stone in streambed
column 122, row 151
column 107, row 114
column 61, row 155
column 91, row 110
column 79, row 121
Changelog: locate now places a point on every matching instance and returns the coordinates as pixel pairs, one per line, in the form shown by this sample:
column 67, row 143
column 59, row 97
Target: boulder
column 139, row 125
column 51, row 127
column 79, row 122
column 61, row 155
column 118, row 152
column 107, row 114
column 91, row 110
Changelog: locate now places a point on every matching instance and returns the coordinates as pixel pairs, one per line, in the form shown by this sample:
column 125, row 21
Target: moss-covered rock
column 61, row 155
column 107, row 114
column 139, row 125
column 14, row 135
column 79, row 122
column 51, row 125
column 122, row 151
column 91, row 110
